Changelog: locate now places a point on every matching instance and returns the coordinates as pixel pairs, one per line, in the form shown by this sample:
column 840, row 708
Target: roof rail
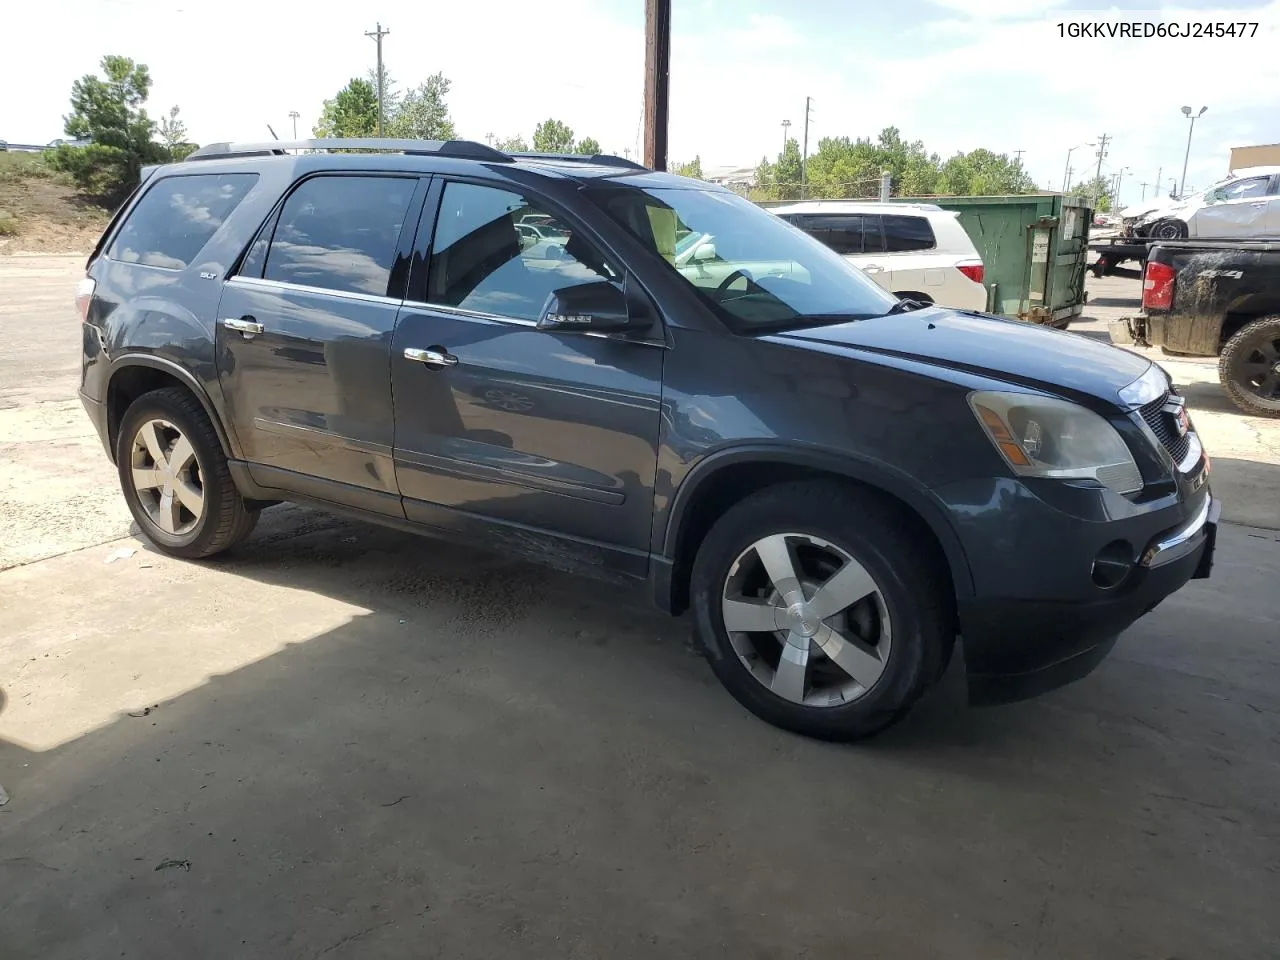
column 467, row 149
column 603, row 159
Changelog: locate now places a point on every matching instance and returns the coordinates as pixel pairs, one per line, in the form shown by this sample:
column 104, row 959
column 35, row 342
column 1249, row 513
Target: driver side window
column 1246, row 189
column 496, row 252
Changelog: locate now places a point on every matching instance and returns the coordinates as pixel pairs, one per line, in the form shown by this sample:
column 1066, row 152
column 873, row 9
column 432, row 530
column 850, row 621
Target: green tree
column 516, row 144
column 173, row 132
column 390, row 95
column 981, row 173
column 1099, row 187
column 780, row 180
column 552, row 136
column 691, row 169
column 353, row 112
column 422, row 113
column 588, row 147
column 108, row 111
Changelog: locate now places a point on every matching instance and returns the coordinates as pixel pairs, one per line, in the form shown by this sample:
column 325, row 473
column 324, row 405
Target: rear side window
column 907, row 233
column 176, row 218
column 844, row 233
column 340, row 233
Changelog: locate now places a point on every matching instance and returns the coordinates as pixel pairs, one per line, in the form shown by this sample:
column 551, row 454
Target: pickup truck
column 1207, row 298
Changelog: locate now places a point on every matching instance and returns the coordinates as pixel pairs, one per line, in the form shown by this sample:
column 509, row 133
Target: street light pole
column 293, row 115
column 1186, row 112
column 1120, row 180
column 1066, row 175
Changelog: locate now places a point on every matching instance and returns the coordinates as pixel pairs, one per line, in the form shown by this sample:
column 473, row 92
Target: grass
column 15, row 166
column 9, row 227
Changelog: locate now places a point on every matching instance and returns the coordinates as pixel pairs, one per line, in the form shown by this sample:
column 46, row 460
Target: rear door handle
column 246, row 325
column 432, row 357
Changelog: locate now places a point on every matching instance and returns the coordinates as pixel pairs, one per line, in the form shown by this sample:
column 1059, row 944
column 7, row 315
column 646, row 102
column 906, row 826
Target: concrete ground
column 341, row 741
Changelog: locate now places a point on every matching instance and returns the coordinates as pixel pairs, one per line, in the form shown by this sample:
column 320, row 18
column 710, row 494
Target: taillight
column 1157, row 286
column 84, row 297
column 972, row 270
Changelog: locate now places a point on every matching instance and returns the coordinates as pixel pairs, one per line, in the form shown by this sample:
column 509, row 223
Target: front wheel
column 1249, row 367
column 175, row 478
column 1168, row 230
column 822, row 609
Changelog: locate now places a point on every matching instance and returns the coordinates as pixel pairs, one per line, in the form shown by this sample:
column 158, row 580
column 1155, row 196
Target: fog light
column 1112, row 565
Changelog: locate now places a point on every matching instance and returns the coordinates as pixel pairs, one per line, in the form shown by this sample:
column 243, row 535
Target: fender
column 872, row 473
column 187, row 379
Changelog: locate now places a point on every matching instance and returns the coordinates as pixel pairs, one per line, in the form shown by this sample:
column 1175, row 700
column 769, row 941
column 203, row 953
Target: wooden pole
column 657, row 68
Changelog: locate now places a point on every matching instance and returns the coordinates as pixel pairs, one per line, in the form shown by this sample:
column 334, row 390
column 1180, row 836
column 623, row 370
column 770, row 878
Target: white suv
column 915, row 250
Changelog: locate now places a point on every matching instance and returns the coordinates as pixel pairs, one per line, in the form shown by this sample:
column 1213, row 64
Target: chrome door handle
column 245, row 325
column 872, row 268
column 432, row 358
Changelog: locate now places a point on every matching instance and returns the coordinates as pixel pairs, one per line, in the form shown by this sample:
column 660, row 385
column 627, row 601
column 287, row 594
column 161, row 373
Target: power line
column 376, row 36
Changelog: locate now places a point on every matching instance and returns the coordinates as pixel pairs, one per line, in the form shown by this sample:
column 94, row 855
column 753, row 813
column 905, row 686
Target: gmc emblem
column 1183, row 421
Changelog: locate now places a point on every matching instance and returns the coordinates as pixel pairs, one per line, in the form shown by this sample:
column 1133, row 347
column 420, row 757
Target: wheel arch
column 724, row 478
column 133, row 374
column 1244, row 311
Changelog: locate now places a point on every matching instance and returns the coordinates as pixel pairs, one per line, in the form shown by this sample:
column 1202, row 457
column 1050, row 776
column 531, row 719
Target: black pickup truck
column 1207, row 298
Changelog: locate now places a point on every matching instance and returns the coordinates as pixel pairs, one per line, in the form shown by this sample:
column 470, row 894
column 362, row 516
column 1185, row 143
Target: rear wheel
column 1249, row 367
column 175, row 478
column 822, row 609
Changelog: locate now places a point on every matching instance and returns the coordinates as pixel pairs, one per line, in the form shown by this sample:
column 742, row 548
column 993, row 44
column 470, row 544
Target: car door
column 911, row 256
column 543, row 440
column 1239, row 209
column 304, row 338
column 855, row 236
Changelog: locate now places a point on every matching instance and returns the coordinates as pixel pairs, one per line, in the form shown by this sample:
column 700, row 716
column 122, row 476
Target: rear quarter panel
column 1214, row 286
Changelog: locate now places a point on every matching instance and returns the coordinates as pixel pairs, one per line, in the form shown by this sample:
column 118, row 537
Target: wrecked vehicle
column 1215, row 298
column 1245, row 204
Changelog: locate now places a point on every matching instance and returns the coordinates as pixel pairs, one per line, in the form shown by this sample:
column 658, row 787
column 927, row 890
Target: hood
column 1008, row 350
column 1152, row 209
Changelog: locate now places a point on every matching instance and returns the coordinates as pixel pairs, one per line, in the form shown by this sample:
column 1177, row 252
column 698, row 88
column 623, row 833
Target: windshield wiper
column 904, row 306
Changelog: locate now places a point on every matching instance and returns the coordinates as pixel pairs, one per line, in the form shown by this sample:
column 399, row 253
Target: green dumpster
column 1034, row 250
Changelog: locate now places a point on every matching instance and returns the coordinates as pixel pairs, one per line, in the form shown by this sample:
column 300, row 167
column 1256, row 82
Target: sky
column 956, row 74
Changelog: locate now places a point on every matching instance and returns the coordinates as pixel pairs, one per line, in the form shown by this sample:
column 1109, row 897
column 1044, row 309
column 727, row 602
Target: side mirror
column 704, row 251
column 598, row 306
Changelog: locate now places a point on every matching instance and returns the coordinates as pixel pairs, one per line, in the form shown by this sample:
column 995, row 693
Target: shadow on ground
column 500, row 761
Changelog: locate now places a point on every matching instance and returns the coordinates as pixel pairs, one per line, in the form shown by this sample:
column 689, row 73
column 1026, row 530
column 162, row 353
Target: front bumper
column 1018, row 648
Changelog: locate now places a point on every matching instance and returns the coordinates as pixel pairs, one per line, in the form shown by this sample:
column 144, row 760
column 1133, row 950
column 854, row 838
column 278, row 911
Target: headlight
column 1045, row 437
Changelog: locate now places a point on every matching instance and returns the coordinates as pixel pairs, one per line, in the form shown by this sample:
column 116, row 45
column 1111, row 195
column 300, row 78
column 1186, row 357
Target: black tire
column 226, row 519
column 1169, row 229
column 890, row 545
column 1249, row 367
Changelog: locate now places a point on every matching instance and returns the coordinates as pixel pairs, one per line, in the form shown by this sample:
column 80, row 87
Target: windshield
column 758, row 272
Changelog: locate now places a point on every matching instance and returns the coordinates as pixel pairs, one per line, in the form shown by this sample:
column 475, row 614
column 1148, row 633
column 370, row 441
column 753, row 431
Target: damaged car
column 1245, row 204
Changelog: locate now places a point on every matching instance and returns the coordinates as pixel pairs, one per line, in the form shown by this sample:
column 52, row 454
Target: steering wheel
column 728, row 281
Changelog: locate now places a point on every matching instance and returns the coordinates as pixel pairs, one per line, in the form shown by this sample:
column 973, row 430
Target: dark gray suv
column 672, row 388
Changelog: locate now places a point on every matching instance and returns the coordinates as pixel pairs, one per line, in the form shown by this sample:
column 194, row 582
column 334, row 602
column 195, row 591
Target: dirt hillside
column 40, row 212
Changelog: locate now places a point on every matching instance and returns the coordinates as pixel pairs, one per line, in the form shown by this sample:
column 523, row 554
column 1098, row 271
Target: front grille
column 1164, row 425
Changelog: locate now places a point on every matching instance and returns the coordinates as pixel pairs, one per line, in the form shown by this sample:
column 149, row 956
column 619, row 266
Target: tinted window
column 496, row 252
column 907, row 233
column 843, row 233
column 176, row 217
column 340, row 233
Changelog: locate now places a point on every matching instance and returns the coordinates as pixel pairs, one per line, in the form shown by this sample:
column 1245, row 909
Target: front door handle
column 246, row 325
column 432, row 357
column 872, row 268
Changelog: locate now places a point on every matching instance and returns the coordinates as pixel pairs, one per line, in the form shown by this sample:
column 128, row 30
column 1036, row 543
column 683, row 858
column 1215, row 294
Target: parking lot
column 342, row 741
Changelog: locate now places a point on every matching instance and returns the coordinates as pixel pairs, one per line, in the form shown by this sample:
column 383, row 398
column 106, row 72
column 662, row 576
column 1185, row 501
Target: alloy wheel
column 166, row 477
column 806, row 619
column 1258, row 372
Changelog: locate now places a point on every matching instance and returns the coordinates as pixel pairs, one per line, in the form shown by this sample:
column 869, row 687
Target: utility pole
column 376, row 36
column 657, row 70
column 1066, row 181
column 293, row 115
column 785, row 126
column 1102, row 152
column 804, row 153
column 1018, row 154
column 1144, row 186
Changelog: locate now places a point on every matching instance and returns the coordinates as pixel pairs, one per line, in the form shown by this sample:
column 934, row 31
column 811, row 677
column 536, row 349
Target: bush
column 9, row 227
